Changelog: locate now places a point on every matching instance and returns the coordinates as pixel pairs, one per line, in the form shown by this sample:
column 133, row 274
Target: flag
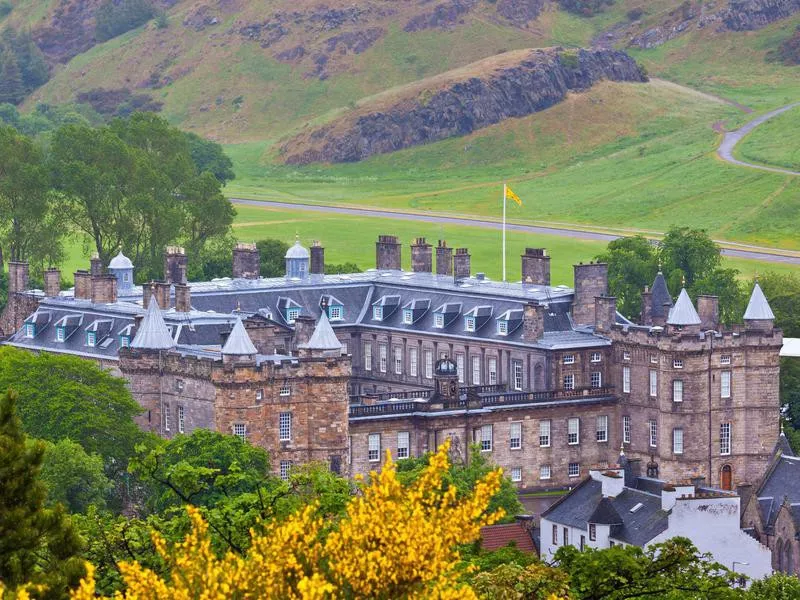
column 513, row 196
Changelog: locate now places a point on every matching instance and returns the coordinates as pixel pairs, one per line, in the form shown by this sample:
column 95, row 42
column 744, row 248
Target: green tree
column 209, row 156
column 73, row 477
column 673, row 570
column 273, row 253
column 37, row 544
column 209, row 214
column 65, row 397
column 12, row 89
column 688, row 254
column 115, row 17
column 347, row 267
column 779, row 586
column 512, row 581
column 632, row 262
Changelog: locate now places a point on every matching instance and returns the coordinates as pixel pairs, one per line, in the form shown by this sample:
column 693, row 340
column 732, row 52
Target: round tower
column 121, row 267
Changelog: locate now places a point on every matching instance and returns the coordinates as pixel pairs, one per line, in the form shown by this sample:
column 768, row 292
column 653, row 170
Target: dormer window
column 438, row 321
column 469, row 324
column 124, row 341
column 60, row 334
column 91, row 339
column 292, row 314
column 408, row 316
column 335, row 313
column 377, row 313
column 30, row 330
column 502, row 327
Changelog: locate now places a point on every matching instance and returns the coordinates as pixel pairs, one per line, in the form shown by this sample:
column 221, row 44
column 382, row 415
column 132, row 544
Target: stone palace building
column 549, row 381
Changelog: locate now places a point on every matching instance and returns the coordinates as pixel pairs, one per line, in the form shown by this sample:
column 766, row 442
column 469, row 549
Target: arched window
column 788, row 562
column 779, row 556
column 727, row 478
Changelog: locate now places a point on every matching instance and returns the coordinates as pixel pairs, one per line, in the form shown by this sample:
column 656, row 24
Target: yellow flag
column 513, row 196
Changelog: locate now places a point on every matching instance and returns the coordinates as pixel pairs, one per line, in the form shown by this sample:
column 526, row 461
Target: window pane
column 515, row 435
column 626, row 429
column 544, row 433
column 374, row 447
column 402, row 444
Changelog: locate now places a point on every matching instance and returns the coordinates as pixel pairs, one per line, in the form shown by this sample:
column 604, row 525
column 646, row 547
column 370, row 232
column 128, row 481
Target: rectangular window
column 259, row 396
column 725, row 359
column 573, row 431
column 476, row 370
column 677, row 390
column 335, row 313
column 492, row 371
column 677, row 363
column 166, row 418
column 408, row 316
column 398, row 360
column 59, row 334
column 515, row 435
column 91, row 339
column 374, row 447
column 569, row 359
column 30, row 330
column 569, row 382
column 286, row 389
column 653, row 383
column 403, row 446
column 724, row 438
column 516, row 474
column 626, row 355
column 517, row 367
column 428, row 364
column 412, row 362
column 654, row 359
column 544, row 472
column 677, row 441
column 181, row 419
column 574, row 469
column 460, row 367
column 725, row 384
column 382, row 360
column 486, row 438
column 597, row 380
column 592, row 532
column 626, row 380
column 285, row 427
column 652, row 428
column 240, row 431
column 124, row 341
column 469, row 324
column 555, row 535
column 344, row 349
column 583, row 543
column 377, row 313
column 367, row 356
column 179, row 385
column 292, row 314
column 544, row 433
column 565, row 531
column 502, row 327
column 601, row 433
column 438, row 320
column 286, row 467
column 626, row 429
column 596, row 357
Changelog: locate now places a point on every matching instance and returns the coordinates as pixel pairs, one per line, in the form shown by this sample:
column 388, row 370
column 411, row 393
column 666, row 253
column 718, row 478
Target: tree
column 209, row 156
column 347, row 267
column 115, row 17
column 631, row 262
column 779, row 586
column 673, row 569
column 73, row 477
column 209, row 214
column 688, row 254
column 37, row 545
column 534, row 581
column 58, row 394
column 273, row 253
column 11, row 86
column 394, row 541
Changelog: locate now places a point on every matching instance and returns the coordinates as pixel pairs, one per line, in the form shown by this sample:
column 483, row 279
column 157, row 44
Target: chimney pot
column 246, row 261
column 444, row 259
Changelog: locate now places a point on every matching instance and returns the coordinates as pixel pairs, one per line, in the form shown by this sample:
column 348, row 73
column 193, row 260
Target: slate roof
column 780, row 482
column 238, row 342
column 758, row 308
column 661, row 295
column 683, row 313
column 494, row 537
column 605, row 513
column 323, row 337
column 153, row 333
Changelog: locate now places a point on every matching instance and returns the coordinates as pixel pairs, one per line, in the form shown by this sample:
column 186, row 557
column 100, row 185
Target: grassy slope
column 776, row 142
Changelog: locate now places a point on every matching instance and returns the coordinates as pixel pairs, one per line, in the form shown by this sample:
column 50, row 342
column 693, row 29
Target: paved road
column 725, row 150
column 568, row 233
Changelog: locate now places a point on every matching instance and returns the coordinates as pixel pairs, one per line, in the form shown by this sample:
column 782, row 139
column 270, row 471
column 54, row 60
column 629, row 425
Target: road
column 765, row 254
column 725, row 150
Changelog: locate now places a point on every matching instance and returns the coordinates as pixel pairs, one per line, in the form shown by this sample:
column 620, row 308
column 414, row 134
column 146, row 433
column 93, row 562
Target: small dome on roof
column 120, row 261
column 297, row 251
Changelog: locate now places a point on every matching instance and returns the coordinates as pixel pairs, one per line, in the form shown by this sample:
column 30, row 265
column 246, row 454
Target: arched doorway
column 726, row 480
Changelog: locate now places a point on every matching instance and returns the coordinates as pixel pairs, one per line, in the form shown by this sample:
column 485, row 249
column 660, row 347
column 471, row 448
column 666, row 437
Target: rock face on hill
column 746, row 15
column 539, row 80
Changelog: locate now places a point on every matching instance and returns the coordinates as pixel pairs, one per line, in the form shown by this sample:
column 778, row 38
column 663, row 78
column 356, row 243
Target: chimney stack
column 387, row 253
column 246, row 261
column 708, row 311
column 96, row 265
column 52, row 283
column 605, row 313
column 160, row 291
column 444, row 259
column 646, row 317
column 591, row 281
column 304, row 326
column 104, row 289
column 532, row 322
column 175, row 265
column 18, row 274
column 461, row 264
column 183, row 298
column 317, row 258
column 421, row 256
column 535, row 267
column 83, row 285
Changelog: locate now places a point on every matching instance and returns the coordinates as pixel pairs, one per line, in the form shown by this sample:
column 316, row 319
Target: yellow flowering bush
column 393, row 542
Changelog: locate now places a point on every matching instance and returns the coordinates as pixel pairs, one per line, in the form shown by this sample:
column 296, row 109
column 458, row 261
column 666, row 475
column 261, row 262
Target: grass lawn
column 775, row 143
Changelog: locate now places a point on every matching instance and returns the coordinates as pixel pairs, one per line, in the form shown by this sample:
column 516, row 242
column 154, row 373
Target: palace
column 549, row 381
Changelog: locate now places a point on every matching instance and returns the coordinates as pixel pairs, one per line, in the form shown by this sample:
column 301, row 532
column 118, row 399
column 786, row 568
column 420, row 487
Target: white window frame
column 724, row 439
column 485, row 434
column 677, row 440
column 259, row 395
column 653, row 383
column 285, row 427
column 725, row 384
column 413, row 356
column 336, row 313
column 240, row 431
column 601, row 430
column 596, row 357
column 476, row 370
column 382, row 357
column 725, row 359
column 285, row 389
column 516, row 366
column 573, row 431
column 626, row 379
column 652, row 432
column 367, row 356
column 166, row 417
column 568, row 359
column 30, row 330
column 502, row 327
column 626, row 429
column 60, row 334
column 626, row 355
column 492, row 370
column 569, row 381
column 677, row 390
column 377, row 313
column 469, row 324
column 91, row 339
column 408, row 316
column 545, row 429
column 438, row 320
column 653, row 359
column 292, row 314
column 398, row 360
column 460, row 358
column 596, row 380
column 181, row 418
column 428, row 364
column 516, row 474
column 545, row 472
column 403, row 445
column 124, row 341
column 677, row 363
column 515, row 435
column 374, row 447
column 574, row 469
column 285, row 469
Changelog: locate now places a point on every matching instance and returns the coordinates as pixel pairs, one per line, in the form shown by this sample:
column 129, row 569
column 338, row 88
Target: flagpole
column 505, row 187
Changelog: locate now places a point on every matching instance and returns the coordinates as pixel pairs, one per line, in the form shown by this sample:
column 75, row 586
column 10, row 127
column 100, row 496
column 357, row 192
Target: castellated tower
column 294, row 407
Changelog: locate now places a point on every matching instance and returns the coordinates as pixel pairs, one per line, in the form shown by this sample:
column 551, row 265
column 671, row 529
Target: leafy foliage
column 631, row 265
column 273, row 254
column 73, row 477
column 336, row 269
column 779, row 586
column 22, row 66
column 209, row 156
column 115, row 17
column 534, row 581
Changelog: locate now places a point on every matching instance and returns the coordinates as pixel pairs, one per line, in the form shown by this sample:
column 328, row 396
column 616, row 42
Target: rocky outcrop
column 540, row 79
column 520, row 12
column 443, row 15
column 746, row 15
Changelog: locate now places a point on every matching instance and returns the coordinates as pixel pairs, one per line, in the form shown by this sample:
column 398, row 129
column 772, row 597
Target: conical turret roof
column 758, row 308
column 153, row 333
column 684, row 312
column 238, row 342
column 323, row 337
column 661, row 296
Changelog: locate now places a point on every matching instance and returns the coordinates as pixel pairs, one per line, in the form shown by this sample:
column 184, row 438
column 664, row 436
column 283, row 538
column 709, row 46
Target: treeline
column 22, row 66
column 115, row 17
column 136, row 184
